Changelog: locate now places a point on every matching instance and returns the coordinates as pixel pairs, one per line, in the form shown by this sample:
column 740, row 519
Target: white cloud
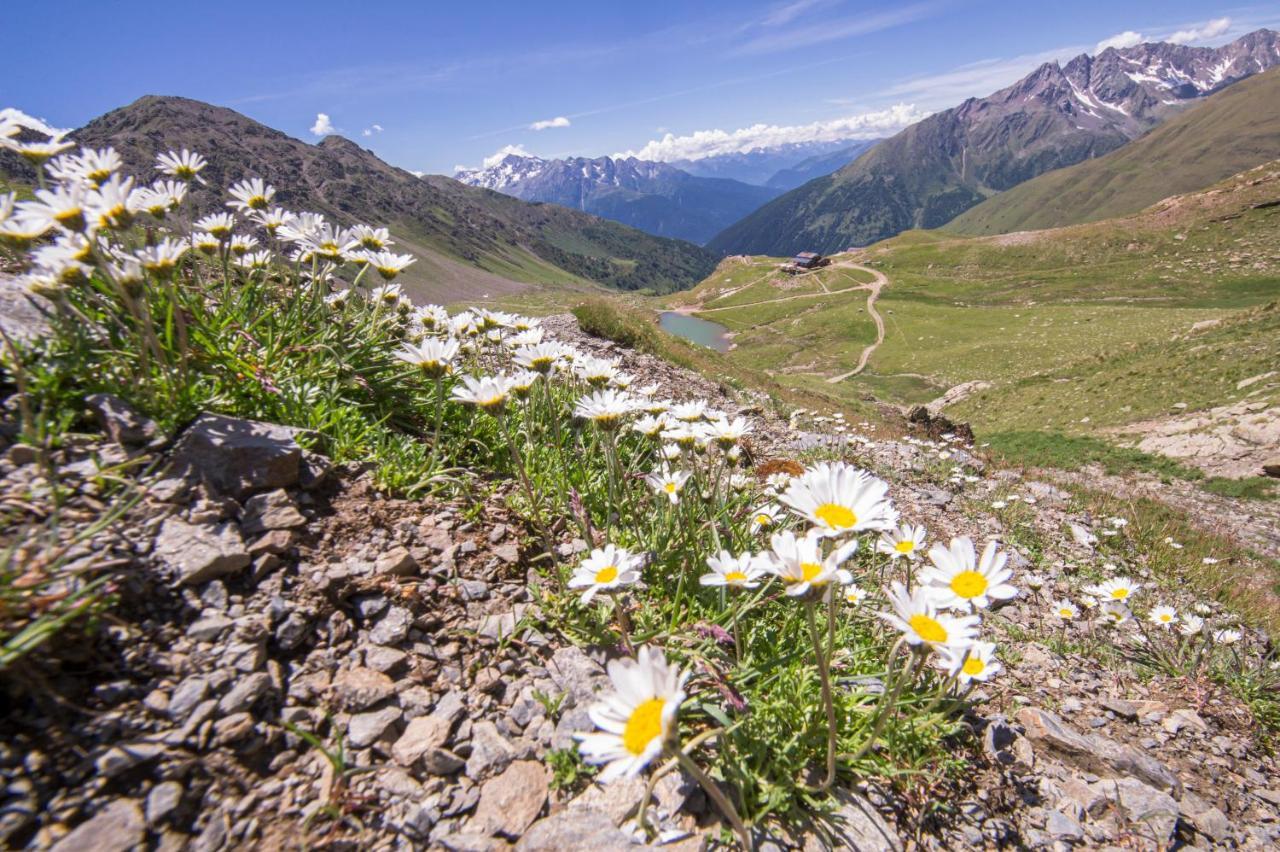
column 976, row 79
column 558, row 121
column 416, row 173
column 834, row 29
column 497, row 156
column 1128, row 38
column 371, row 129
column 323, row 126
column 709, row 143
column 1210, row 29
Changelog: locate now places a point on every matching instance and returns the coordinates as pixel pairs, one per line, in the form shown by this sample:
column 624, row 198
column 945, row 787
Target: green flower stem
column 827, row 701
column 888, row 701
column 528, row 492
column 714, row 793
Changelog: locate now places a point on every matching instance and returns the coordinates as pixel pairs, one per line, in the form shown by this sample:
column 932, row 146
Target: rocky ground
column 270, row 603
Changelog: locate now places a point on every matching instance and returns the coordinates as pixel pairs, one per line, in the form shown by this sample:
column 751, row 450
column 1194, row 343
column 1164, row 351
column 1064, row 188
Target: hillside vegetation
column 1232, row 131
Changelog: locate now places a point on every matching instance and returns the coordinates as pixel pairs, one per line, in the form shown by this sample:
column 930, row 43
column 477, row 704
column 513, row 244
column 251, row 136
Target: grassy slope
column 1233, row 130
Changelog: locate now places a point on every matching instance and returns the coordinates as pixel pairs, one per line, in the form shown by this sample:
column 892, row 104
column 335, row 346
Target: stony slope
column 653, row 197
column 1231, row 131
column 1055, row 117
column 451, row 225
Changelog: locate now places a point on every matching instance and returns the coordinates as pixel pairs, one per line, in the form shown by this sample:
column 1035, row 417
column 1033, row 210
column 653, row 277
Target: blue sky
column 429, row 85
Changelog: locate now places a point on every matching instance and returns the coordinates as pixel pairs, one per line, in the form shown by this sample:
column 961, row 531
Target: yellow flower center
column 973, row 666
column 1065, row 613
column 1119, row 594
column 607, row 574
column 644, row 725
column 735, row 577
column 968, row 584
column 928, row 629
column 763, row 520
column 835, row 516
column 905, row 546
column 1165, row 617
column 669, row 487
column 809, row 570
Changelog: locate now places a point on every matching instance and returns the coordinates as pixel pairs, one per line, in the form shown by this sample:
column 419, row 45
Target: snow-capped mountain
column 1055, row 116
column 654, row 197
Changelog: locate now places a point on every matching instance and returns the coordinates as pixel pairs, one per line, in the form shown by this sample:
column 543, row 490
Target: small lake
column 702, row 332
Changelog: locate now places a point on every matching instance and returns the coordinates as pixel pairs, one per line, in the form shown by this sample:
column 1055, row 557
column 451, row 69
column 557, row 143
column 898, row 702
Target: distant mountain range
column 763, row 165
column 654, row 197
column 951, row 161
column 465, row 237
column 1228, row 132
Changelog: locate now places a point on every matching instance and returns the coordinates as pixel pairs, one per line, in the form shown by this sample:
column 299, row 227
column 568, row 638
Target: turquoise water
column 702, row 332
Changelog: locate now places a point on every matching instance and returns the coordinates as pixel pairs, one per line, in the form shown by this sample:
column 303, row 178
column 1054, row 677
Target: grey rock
column 238, row 457
column 274, row 510
column 490, row 751
column 619, row 799
column 361, row 688
column 1082, row 536
column 245, row 693
column 186, row 696
column 1271, row 467
column 855, row 824
column 441, row 761
column 392, row 628
column 118, row 827
column 120, row 420
column 1064, row 827
column 421, row 735
column 293, row 631
column 162, row 801
column 1093, row 752
column 1122, row 708
column 199, row 553
column 575, row 673
column 383, row 659
column 1142, row 803
column 473, row 590
column 273, row 542
column 365, row 728
column 574, row 830
column 122, row 758
column 511, row 802
column 209, row 627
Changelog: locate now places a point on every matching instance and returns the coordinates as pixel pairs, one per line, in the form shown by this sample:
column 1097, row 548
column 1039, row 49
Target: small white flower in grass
column 388, row 264
column 800, row 565
column 671, row 452
column 522, row 383
column 737, row 572
column 1169, row 541
column 433, row 356
column 649, row 426
column 528, row 337
column 218, row 224
column 1118, row 589
column 689, row 412
column 387, row 295
column 638, row 719
column 163, row 196
column 596, row 372
column 959, row 579
column 904, row 541
column 205, row 243
column 489, row 393
column 184, row 165
column 163, row 257
column 539, row 357
column 766, row 517
column 1227, row 637
column 621, row 381
column 976, row 662
column 62, row 207
column 251, row 194
column 1115, row 613
column 1035, row 582
column 1164, row 616
column 1118, row 522
column 373, row 239
column 254, row 260
column 1190, row 625
column 668, row 483
column 998, row 504
column 607, row 568
column 838, row 498
column 1209, row 560
column 606, row 408
column 916, row 614
column 1202, row 608
column 37, row 152
column 740, row 482
column 115, row 203
column 776, row 483
column 681, row 434
column 241, row 244
column 728, row 433
column 855, row 594
column 1065, row 610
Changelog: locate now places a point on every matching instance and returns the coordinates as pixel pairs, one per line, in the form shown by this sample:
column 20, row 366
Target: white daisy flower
column 596, row 372
column 607, row 568
column 184, row 165
column 373, row 239
column 799, row 562
column 689, row 412
column 671, row 452
column 1115, row 612
column 1227, row 637
column 976, row 662
column 433, row 356
column 669, row 483
column 838, row 498
column 638, row 719
column 162, row 257
column 916, row 614
column 766, row 517
column 1165, row 616
column 737, row 572
column 606, row 408
column 649, row 426
column 1118, row 589
column 960, row 580
column 251, row 194
column 726, row 433
column 1066, row 610
column 522, row 382
column 855, row 594
column 1190, row 625
column 488, row 393
column 539, row 357
column 389, row 264
column 903, row 541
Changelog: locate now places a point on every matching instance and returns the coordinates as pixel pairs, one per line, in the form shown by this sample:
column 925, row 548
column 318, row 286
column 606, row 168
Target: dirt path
column 874, row 287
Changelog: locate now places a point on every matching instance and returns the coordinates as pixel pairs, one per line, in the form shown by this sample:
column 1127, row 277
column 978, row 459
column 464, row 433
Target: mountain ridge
column 654, row 197
column 953, row 160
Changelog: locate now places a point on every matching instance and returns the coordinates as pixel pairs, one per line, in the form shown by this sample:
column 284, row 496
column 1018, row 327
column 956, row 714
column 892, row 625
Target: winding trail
column 875, row 287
